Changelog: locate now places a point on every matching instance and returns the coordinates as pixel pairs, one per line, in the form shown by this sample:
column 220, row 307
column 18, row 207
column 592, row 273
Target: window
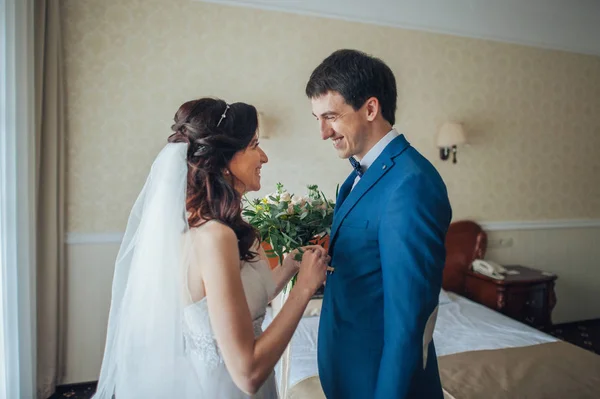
column 17, row 190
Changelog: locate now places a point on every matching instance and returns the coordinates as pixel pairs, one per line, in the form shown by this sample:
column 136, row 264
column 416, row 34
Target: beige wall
column 531, row 115
column 88, row 288
column 572, row 253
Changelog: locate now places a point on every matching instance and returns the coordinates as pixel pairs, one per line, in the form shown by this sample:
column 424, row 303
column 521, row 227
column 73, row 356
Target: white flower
column 297, row 200
column 269, row 200
column 290, row 209
column 285, row 196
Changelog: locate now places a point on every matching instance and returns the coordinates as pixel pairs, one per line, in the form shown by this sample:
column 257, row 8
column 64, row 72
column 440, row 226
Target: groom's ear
column 372, row 108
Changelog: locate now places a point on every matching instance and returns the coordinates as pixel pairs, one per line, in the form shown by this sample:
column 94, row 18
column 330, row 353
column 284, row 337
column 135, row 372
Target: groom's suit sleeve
column 411, row 236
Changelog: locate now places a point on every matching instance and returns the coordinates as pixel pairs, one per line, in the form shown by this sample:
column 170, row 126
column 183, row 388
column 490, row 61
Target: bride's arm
column 248, row 360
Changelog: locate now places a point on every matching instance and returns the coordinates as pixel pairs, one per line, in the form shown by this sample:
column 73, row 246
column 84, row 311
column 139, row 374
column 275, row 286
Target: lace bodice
column 200, row 343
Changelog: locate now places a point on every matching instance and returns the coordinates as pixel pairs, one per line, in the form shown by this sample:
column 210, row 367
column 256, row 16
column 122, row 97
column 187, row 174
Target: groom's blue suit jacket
column 387, row 248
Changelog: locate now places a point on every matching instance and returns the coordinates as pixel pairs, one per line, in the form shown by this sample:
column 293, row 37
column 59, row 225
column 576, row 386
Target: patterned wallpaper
column 531, row 114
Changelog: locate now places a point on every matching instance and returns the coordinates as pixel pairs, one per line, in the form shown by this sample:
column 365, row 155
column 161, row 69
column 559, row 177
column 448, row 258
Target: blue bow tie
column 356, row 165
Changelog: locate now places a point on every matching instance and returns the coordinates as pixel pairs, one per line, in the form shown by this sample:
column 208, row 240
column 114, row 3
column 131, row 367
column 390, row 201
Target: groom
column 387, row 241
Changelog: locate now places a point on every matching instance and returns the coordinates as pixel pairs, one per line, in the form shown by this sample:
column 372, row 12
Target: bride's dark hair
column 213, row 141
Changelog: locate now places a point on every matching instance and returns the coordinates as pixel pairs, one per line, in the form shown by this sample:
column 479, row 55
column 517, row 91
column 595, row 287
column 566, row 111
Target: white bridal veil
column 144, row 353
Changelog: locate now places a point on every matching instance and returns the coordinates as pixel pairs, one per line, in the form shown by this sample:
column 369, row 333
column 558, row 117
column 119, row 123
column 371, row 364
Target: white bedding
column 462, row 325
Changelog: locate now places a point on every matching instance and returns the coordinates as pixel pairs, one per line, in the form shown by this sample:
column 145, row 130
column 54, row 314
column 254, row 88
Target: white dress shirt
column 375, row 152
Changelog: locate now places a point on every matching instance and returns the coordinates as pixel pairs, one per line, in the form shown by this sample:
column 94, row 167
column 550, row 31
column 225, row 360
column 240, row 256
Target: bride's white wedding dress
column 202, row 349
column 158, row 346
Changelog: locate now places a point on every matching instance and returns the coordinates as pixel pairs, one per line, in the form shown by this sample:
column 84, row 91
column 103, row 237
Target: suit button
column 384, row 166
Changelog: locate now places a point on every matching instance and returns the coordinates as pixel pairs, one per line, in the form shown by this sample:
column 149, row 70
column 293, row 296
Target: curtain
column 50, row 195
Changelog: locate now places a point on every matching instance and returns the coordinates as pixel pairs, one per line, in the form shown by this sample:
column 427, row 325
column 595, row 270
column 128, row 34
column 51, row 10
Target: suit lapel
column 382, row 165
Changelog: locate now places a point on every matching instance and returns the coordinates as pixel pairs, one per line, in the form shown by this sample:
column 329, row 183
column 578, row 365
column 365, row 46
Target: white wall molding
column 541, row 224
column 555, row 24
column 116, row 237
column 94, row 238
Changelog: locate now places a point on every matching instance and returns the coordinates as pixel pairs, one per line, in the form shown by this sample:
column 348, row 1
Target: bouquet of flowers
column 287, row 221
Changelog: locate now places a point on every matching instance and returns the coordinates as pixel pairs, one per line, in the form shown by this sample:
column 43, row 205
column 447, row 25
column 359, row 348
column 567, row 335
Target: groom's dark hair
column 357, row 76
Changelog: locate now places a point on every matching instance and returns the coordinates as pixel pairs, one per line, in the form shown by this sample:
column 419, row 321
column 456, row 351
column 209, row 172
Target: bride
column 191, row 282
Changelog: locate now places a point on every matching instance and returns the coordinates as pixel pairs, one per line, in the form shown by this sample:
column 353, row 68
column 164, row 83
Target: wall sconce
column 451, row 134
column 264, row 130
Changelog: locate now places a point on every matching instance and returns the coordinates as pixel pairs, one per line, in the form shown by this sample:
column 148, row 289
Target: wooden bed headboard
column 465, row 241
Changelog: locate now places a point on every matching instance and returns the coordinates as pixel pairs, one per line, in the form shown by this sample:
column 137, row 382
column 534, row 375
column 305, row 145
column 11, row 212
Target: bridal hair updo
column 215, row 132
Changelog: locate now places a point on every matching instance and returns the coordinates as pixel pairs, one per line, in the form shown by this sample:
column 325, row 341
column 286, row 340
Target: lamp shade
column 264, row 130
column 451, row 134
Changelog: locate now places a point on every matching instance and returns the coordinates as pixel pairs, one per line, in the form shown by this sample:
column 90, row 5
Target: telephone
column 489, row 268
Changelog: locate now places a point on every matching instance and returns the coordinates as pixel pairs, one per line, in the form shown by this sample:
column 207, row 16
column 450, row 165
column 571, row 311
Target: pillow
column 444, row 298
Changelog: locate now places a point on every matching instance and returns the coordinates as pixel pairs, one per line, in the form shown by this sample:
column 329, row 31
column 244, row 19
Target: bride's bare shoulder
column 213, row 232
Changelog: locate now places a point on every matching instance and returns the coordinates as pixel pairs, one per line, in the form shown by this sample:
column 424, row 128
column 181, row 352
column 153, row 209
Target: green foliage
column 288, row 221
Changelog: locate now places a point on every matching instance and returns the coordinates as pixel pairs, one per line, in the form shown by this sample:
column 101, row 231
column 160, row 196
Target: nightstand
column 527, row 297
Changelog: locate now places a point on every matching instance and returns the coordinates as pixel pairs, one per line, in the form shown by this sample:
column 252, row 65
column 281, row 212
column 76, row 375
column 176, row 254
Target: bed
column 481, row 353
column 471, row 342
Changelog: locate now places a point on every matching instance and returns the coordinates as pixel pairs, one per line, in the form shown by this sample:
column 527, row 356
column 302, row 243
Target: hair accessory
column 224, row 114
column 200, row 150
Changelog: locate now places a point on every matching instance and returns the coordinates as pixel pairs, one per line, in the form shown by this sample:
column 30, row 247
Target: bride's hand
column 313, row 269
column 292, row 260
